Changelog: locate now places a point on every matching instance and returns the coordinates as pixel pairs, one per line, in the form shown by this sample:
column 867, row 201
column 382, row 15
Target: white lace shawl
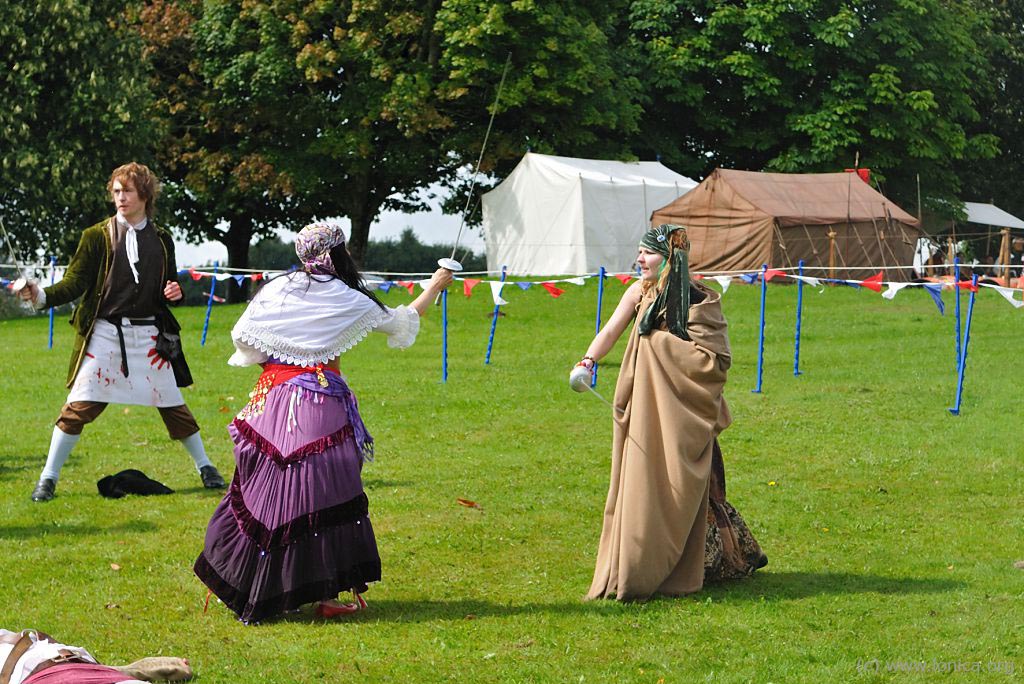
column 312, row 326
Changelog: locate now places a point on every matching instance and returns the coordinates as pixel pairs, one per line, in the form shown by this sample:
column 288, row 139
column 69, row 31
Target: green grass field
column 891, row 526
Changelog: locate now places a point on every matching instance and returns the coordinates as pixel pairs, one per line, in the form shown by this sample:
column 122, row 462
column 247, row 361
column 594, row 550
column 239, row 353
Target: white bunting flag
column 813, row 282
column 222, row 276
column 893, row 289
column 496, row 286
column 1007, row 293
column 724, row 281
column 576, row 281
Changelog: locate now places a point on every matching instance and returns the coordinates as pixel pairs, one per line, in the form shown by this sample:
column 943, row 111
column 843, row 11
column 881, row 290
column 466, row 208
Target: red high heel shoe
column 328, row 610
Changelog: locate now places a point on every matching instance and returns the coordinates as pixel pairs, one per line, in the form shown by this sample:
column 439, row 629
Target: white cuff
column 39, row 302
column 401, row 325
column 247, row 356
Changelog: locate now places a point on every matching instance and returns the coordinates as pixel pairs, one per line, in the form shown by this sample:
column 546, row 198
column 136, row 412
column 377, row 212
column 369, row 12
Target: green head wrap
column 674, row 300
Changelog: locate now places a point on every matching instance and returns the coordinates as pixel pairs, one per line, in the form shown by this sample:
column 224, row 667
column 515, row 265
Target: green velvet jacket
column 84, row 278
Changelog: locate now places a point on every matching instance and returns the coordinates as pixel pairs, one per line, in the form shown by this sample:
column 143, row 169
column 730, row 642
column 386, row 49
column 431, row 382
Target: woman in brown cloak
column 667, row 527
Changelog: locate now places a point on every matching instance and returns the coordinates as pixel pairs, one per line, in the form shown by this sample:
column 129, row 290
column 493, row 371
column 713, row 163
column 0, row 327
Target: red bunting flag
column 771, row 273
column 967, row 285
column 468, row 284
column 257, row 277
column 550, row 287
column 624, row 278
column 864, row 174
column 874, row 282
column 407, row 284
column 195, row 276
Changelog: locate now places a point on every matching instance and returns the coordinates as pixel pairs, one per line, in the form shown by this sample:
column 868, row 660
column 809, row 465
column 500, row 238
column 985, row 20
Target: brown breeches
column 77, row 414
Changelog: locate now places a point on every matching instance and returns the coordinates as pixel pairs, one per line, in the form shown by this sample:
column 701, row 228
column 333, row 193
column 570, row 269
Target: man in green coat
column 125, row 273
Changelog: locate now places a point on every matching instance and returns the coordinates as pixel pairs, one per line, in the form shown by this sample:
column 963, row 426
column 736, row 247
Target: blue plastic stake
column 799, row 314
column 597, row 324
column 209, row 303
column 53, row 276
column 760, row 340
column 444, row 336
column 494, row 324
column 956, row 294
column 963, row 352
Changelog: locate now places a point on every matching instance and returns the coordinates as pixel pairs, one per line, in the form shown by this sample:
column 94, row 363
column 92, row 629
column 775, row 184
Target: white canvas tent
column 558, row 215
column 991, row 215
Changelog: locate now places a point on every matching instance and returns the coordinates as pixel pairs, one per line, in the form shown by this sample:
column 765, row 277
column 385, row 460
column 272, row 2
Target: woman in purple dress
column 293, row 527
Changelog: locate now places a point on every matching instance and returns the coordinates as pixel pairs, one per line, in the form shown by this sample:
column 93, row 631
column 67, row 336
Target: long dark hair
column 348, row 272
column 346, row 269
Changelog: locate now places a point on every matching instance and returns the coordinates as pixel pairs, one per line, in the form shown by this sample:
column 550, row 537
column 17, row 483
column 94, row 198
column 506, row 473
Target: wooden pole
column 1004, row 255
column 988, row 237
column 930, row 270
column 831, row 253
column 1020, row 265
column 920, row 220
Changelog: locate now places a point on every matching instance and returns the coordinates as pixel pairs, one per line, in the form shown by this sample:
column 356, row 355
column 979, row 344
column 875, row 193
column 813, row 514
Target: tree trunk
column 237, row 240
column 360, row 236
column 362, row 211
column 430, row 40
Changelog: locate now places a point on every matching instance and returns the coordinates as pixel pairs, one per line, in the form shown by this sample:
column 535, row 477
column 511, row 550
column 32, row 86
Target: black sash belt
column 116, row 322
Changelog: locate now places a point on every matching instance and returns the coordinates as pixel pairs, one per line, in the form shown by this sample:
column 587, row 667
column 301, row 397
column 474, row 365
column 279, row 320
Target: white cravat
column 131, row 242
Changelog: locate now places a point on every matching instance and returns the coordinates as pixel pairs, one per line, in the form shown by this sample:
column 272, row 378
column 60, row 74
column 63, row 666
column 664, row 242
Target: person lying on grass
column 33, row 657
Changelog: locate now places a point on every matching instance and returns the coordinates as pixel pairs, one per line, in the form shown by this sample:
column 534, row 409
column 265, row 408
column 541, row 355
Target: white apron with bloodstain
column 150, row 380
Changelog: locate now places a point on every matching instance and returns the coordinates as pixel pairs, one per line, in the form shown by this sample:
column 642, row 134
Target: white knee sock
column 194, row 444
column 61, row 444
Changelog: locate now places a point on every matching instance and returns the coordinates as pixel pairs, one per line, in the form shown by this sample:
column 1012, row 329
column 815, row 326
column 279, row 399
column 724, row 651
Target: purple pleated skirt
column 293, row 527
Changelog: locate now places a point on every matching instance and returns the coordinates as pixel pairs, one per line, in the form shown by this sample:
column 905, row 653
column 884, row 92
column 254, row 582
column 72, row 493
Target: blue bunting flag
column 936, row 292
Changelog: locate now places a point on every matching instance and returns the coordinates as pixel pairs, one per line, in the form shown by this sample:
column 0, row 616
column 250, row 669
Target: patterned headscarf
column 673, row 301
column 313, row 246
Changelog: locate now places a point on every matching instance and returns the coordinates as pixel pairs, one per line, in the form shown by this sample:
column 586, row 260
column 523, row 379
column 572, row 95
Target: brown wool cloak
column 655, row 518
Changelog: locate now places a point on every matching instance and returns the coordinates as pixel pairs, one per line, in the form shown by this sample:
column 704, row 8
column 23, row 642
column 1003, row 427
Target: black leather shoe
column 211, row 478
column 44, row 490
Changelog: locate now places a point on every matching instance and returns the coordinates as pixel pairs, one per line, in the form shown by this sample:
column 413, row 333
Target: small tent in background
column 557, row 215
column 838, row 224
column 991, row 216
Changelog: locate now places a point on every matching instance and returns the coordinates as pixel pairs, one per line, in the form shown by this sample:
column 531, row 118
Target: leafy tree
column 348, row 108
column 75, row 104
column 408, row 255
column 218, row 154
column 806, row 85
column 998, row 179
column 272, row 253
column 566, row 92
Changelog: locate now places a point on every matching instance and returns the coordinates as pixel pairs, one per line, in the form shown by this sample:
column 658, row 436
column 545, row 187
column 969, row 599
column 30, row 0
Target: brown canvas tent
column 838, row 224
